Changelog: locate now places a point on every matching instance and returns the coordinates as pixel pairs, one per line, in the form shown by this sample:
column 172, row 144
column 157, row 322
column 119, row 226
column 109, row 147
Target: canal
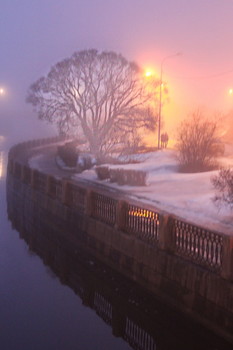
column 40, row 310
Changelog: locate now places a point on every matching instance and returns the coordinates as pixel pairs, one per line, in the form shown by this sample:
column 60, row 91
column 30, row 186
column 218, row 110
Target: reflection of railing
column 130, row 311
column 197, row 244
column 137, row 337
column 103, row 308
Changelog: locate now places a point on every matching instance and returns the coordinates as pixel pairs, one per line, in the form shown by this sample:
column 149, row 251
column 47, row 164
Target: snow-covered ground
column 189, row 196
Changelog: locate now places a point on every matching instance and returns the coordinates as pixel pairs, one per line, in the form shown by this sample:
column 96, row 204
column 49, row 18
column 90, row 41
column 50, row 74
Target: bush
column 123, row 176
column 198, row 144
column 114, row 175
column 102, row 172
column 86, row 161
column 68, row 153
column 223, row 184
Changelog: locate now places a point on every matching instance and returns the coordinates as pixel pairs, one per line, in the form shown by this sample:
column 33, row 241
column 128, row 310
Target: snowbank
column 189, row 196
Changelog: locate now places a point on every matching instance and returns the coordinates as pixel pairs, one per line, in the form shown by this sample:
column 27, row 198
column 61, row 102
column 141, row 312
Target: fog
column 37, row 34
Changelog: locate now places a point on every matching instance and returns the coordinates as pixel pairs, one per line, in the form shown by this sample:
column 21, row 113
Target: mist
column 36, row 35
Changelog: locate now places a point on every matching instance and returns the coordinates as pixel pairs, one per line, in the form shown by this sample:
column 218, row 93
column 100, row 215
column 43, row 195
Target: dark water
column 38, row 310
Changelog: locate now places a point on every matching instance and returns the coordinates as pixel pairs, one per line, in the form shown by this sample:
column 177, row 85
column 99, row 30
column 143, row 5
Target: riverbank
column 185, row 265
column 189, row 196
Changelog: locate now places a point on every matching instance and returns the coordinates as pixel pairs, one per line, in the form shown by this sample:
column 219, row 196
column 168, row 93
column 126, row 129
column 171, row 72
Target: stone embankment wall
column 188, row 266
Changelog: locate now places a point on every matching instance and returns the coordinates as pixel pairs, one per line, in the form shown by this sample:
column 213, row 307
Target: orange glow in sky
column 191, row 85
column 148, row 73
column 201, row 77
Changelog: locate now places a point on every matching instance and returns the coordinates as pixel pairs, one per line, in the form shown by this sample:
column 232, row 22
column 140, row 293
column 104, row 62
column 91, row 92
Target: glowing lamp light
column 148, row 73
column 2, row 91
column 230, row 91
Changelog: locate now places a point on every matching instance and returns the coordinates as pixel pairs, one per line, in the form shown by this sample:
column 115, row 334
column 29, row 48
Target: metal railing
column 104, row 208
column 143, row 223
column 198, row 244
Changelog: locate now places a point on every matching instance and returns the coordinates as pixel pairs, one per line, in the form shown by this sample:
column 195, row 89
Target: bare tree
column 99, row 96
column 223, row 184
column 198, row 144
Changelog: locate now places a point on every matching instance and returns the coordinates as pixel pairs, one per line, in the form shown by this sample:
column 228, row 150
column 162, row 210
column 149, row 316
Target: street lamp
column 2, row 91
column 160, row 92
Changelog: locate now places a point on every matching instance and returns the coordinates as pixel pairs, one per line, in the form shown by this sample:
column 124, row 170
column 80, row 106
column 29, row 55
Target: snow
column 189, row 196
column 34, row 162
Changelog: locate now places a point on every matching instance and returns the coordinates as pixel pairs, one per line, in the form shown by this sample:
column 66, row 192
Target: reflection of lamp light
column 1, row 165
column 160, row 93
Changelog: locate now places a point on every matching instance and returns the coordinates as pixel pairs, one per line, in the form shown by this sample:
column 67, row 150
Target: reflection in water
column 2, row 139
column 1, row 164
column 133, row 314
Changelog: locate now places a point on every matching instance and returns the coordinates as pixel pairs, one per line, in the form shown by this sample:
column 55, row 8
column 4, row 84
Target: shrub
column 86, row 161
column 114, row 175
column 122, row 176
column 223, row 184
column 128, row 177
column 68, row 153
column 198, row 145
column 102, row 172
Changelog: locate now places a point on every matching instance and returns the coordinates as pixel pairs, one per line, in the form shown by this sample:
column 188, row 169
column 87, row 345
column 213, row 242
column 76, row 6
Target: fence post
column 165, row 232
column 33, row 178
column 64, row 198
column 227, row 259
column 89, row 202
column 121, row 212
column 15, row 168
column 26, row 174
column 23, row 173
column 48, row 184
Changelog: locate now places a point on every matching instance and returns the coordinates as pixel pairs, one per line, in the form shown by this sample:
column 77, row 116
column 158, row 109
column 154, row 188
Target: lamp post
column 160, row 92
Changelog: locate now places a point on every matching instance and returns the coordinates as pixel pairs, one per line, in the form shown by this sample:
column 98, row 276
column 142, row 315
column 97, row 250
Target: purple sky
column 35, row 34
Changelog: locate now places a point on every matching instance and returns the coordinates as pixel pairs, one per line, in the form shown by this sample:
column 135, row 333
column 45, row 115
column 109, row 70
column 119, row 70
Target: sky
column 37, row 34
